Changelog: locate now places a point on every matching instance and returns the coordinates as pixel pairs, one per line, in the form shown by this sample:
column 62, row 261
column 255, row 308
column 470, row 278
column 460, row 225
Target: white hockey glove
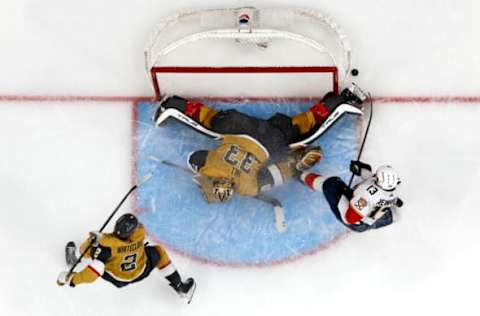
column 65, row 278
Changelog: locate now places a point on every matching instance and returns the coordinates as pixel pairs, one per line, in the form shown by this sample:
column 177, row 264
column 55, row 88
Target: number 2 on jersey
column 129, row 263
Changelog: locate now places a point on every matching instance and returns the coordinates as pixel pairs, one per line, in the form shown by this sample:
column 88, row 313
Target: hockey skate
column 186, row 289
column 70, row 256
column 354, row 95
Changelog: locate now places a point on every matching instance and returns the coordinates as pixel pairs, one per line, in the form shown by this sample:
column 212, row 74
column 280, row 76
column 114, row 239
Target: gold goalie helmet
column 222, row 189
column 216, row 189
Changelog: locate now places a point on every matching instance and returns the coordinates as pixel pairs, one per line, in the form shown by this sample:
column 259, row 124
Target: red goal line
column 135, row 99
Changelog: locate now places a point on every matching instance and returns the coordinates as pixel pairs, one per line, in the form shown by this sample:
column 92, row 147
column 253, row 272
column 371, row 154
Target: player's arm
column 99, row 254
column 197, row 159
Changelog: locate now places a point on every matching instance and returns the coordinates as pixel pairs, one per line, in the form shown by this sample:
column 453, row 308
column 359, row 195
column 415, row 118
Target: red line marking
column 72, row 98
column 136, row 99
column 242, row 265
column 428, row 99
column 133, row 152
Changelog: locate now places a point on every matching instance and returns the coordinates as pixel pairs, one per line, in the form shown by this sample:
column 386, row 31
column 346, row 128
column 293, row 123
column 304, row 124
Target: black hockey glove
column 356, row 167
column 175, row 102
column 399, row 202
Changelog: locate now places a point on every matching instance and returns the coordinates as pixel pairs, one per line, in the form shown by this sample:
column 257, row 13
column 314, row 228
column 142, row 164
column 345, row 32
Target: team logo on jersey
column 361, row 204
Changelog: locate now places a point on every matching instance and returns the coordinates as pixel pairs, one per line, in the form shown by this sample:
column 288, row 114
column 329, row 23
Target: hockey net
column 248, row 52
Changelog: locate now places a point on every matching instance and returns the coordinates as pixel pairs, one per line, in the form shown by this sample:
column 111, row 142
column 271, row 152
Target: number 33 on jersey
column 238, row 158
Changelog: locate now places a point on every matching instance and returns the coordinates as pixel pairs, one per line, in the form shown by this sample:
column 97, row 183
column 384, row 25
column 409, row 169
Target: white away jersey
column 367, row 204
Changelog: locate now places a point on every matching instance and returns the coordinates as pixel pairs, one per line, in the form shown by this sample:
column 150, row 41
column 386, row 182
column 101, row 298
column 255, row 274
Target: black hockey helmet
column 125, row 226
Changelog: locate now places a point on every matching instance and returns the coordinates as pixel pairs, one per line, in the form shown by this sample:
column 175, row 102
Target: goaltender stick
column 123, row 258
column 255, row 154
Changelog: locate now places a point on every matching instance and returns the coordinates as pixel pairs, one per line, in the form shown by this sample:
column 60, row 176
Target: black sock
column 174, row 279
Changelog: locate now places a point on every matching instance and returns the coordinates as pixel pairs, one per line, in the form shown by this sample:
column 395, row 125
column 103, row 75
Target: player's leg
column 385, row 220
column 216, row 123
column 197, row 111
column 285, row 125
column 320, row 111
column 164, row 264
column 234, row 122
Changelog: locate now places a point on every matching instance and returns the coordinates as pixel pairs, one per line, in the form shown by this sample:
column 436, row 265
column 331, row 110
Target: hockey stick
column 280, row 223
column 133, row 188
column 364, row 136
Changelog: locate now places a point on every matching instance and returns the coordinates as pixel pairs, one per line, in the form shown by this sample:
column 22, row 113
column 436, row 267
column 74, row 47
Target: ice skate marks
column 242, row 231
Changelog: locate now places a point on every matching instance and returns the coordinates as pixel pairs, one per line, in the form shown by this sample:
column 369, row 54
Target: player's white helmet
column 387, row 178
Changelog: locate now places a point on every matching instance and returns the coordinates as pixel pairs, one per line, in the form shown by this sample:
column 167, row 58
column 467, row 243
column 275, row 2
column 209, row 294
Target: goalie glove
column 306, row 158
column 356, row 167
column 65, row 278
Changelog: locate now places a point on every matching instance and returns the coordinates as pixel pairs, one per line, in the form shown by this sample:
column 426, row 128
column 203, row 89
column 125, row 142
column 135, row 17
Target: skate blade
column 189, row 295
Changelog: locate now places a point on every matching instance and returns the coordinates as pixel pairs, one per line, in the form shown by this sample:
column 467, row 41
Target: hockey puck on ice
column 354, row 72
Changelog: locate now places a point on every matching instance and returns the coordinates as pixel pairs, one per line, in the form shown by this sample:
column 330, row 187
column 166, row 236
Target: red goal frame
column 241, row 69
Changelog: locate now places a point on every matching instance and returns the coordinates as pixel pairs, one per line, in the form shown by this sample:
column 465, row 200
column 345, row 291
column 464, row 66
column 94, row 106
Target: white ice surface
column 64, row 166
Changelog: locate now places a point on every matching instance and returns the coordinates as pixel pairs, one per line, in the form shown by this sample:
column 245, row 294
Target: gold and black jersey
column 124, row 260
column 238, row 158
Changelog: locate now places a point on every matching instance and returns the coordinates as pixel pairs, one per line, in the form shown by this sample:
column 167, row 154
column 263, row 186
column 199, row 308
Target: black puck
column 354, row 72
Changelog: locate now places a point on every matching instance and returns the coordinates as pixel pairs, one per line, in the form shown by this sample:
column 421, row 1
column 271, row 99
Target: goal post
column 155, row 71
column 272, row 52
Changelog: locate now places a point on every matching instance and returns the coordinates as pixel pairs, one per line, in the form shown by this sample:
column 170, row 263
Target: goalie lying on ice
column 254, row 154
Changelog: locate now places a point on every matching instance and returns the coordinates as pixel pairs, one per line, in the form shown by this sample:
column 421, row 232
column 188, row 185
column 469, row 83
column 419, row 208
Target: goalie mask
column 222, row 189
column 387, row 178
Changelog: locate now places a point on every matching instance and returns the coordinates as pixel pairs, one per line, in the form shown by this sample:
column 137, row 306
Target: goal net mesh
column 248, row 52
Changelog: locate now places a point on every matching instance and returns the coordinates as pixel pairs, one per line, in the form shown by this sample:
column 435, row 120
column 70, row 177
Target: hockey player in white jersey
column 370, row 204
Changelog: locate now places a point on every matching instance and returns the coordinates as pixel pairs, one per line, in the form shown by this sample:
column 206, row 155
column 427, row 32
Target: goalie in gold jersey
column 254, row 155
column 122, row 258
